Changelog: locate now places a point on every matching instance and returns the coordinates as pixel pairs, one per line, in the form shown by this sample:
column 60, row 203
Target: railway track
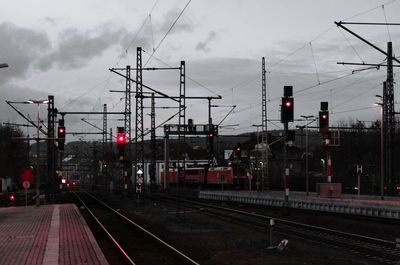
column 372, row 249
column 136, row 244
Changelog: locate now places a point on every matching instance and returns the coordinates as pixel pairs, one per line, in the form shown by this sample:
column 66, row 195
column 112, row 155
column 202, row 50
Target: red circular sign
column 26, row 175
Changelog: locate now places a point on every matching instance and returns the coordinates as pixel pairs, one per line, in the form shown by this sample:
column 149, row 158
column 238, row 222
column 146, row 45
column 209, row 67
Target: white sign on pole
column 359, row 169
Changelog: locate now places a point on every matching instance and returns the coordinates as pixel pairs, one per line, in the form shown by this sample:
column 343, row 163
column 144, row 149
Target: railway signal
column 238, row 151
column 291, row 135
column 324, row 118
column 287, row 115
column 121, row 140
column 61, row 134
column 287, row 109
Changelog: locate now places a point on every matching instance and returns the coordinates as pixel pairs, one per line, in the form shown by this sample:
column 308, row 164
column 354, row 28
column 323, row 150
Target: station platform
column 362, row 205
column 48, row 234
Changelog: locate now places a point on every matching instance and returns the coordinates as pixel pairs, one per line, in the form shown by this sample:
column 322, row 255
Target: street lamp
column 37, row 102
column 307, row 177
column 382, row 147
column 3, row 65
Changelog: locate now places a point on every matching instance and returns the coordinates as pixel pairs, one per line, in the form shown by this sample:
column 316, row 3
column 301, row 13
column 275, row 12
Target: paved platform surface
column 48, row 235
column 346, row 198
column 350, row 198
column 373, row 206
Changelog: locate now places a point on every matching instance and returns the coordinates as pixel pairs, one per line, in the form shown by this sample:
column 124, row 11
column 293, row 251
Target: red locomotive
column 201, row 176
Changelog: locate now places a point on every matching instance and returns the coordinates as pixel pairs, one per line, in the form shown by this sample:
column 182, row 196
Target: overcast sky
column 64, row 48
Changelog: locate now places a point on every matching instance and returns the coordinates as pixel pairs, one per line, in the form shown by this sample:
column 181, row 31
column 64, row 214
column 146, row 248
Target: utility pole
column 264, row 134
column 389, row 122
column 182, row 123
column 387, row 105
column 104, row 129
column 105, row 163
column 51, row 148
column 152, row 172
column 139, row 139
column 127, row 168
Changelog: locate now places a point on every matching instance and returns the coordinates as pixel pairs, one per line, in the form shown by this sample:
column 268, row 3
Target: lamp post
column 37, row 102
column 307, row 177
column 382, row 148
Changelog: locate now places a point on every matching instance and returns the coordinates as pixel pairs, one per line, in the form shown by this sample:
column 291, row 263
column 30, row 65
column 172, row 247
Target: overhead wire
column 387, row 26
column 302, row 47
column 141, row 27
column 186, row 76
column 353, row 110
column 117, row 63
column 169, row 30
column 354, row 49
column 350, row 99
column 315, row 64
column 369, row 10
column 151, row 29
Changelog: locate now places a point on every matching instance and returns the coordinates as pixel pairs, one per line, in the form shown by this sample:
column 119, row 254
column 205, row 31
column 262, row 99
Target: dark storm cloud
column 20, row 48
column 24, row 49
column 77, row 48
column 203, row 45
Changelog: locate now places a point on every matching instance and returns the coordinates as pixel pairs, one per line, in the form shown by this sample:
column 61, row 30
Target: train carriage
column 200, row 176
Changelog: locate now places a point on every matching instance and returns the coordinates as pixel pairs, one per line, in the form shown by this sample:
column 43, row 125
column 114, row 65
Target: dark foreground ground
column 213, row 240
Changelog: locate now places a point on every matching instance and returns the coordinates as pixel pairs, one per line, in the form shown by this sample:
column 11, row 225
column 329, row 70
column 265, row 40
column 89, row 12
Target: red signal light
column 12, row 197
column 61, row 132
column 324, row 121
column 121, row 138
column 287, row 109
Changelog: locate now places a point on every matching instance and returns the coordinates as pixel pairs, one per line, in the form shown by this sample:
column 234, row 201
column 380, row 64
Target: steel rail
column 377, row 249
column 114, row 241
column 382, row 241
column 182, row 255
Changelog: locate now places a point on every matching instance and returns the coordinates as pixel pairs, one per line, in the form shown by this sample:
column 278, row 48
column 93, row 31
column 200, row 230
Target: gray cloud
column 203, row 45
column 77, row 48
column 24, row 49
column 20, row 48
column 181, row 26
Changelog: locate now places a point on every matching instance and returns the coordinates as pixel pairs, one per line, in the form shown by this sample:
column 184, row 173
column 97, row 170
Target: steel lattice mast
column 264, row 158
column 104, row 147
column 104, row 129
column 152, row 172
column 51, row 148
column 128, row 124
column 139, row 141
column 182, row 120
column 389, row 121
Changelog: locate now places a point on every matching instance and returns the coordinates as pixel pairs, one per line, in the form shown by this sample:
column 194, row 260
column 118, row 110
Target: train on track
column 203, row 176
